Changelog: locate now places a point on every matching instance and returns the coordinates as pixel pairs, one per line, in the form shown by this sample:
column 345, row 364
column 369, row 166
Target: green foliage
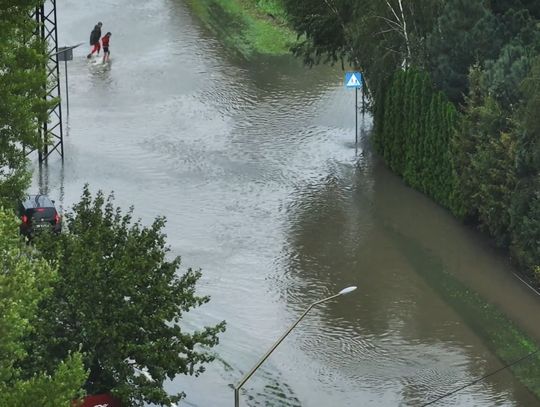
column 415, row 140
column 372, row 36
column 465, row 32
column 272, row 8
column 25, row 281
column 120, row 300
column 485, row 154
column 249, row 27
column 482, row 162
column 478, row 155
column 504, row 75
column 525, row 209
column 22, row 87
column 501, row 7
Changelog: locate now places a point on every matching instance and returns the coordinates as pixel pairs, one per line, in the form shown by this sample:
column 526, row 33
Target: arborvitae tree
column 447, row 179
column 416, row 140
column 423, row 125
column 388, row 136
column 398, row 149
column 378, row 117
column 406, row 118
column 439, row 146
column 525, row 209
column 411, row 153
column 464, row 146
column 494, row 164
column 431, row 132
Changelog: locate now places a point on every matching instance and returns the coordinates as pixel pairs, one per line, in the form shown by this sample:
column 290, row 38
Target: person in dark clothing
column 105, row 41
column 95, row 35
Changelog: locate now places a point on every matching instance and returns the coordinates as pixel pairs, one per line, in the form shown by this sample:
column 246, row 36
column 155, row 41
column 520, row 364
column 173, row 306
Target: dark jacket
column 95, row 35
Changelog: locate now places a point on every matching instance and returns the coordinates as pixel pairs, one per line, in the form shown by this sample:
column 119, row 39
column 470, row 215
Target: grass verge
column 248, row 26
column 503, row 337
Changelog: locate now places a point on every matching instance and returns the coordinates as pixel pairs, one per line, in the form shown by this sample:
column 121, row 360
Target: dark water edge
column 502, row 336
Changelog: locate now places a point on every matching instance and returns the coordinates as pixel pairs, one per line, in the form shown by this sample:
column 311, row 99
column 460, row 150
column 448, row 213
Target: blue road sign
column 353, row 80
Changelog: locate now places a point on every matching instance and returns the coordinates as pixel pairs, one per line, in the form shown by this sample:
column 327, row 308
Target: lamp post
column 276, row 344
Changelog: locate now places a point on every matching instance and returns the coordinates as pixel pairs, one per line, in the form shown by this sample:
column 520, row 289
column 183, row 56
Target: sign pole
column 356, row 115
column 363, row 100
column 67, row 87
column 66, row 54
column 355, row 80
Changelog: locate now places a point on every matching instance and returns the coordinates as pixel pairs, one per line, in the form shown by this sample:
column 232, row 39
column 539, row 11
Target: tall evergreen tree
column 525, row 208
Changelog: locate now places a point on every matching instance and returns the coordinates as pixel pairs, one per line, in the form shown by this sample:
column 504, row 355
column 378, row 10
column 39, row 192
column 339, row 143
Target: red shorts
column 97, row 47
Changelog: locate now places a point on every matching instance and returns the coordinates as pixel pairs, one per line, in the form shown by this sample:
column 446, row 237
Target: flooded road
column 255, row 168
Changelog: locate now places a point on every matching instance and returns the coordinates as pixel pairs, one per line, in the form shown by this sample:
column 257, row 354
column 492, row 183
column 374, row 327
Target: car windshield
column 43, row 213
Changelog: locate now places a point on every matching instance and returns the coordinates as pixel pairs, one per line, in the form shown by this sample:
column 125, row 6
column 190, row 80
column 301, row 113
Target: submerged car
column 38, row 213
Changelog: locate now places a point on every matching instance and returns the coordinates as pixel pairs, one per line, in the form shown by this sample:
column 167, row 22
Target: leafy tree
column 24, row 281
column 22, row 90
column 373, row 36
column 120, row 300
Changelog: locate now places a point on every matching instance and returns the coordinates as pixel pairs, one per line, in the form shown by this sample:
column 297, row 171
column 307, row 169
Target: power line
column 482, row 378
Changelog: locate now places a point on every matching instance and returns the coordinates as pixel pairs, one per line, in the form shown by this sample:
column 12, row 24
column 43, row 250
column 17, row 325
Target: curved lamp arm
column 281, row 338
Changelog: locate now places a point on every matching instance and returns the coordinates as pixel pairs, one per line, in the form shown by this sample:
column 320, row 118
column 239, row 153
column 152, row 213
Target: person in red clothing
column 105, row 44
column 94, row 39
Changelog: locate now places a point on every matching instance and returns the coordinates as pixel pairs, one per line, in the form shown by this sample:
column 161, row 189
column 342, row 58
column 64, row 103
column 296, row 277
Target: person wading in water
column 95, row 35
column 105, row 41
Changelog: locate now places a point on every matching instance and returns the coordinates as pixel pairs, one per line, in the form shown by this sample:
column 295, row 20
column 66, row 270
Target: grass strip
column 249, row 27
column 502, row 336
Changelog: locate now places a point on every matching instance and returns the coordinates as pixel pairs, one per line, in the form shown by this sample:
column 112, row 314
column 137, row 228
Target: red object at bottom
column 99, row 400
column 96, row 48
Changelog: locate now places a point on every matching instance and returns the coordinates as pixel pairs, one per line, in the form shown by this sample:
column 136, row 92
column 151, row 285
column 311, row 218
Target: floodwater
column 255, row 167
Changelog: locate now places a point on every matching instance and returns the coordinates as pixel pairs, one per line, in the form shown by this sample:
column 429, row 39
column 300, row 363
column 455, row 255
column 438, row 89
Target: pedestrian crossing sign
column 353, row 80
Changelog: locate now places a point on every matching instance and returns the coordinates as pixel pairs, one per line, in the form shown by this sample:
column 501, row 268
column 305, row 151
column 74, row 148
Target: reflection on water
column 399, row 337
column 255, row 167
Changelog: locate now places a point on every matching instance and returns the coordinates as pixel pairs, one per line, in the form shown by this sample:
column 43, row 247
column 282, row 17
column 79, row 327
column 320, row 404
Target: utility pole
column 51, row 131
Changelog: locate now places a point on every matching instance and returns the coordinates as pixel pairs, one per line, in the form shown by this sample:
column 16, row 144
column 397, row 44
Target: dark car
column 37, row 213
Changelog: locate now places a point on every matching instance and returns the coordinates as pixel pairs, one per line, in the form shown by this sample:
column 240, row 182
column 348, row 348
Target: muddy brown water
column 254, row 165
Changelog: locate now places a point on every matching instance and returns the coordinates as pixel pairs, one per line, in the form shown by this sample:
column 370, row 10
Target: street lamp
column 275, row 345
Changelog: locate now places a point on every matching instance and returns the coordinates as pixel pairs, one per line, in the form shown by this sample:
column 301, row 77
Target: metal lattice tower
column 51, row 132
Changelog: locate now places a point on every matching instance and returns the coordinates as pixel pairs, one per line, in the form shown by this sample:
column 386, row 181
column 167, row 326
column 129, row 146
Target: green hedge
column 478, row 163
column 414, row 132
